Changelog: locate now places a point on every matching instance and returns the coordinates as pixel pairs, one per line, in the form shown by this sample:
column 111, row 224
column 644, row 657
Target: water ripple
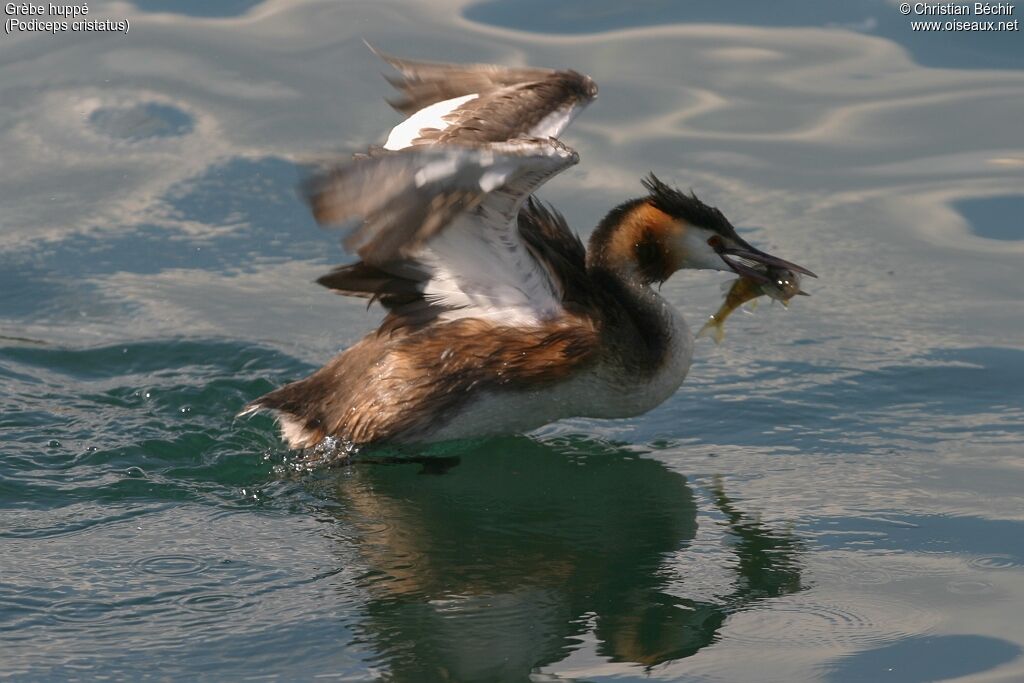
column 155, row 268
column 997, row 562
column 214, row 602
column 81, row 611
column 170, row 565
column 836, row 620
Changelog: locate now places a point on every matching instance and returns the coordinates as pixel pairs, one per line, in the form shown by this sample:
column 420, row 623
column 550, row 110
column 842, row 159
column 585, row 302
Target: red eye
column 715, row 242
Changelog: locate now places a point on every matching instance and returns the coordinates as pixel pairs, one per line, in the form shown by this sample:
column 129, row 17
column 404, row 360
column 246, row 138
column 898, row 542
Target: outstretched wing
column 439, row 224
column 475, row 103
column 440, row 235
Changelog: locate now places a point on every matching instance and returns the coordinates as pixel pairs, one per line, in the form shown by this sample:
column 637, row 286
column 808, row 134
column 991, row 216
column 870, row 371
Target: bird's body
column 472, row 377
column 499, row 320
column 602, row 390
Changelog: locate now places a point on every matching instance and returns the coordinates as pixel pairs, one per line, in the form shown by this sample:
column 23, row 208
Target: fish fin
column 714, row 329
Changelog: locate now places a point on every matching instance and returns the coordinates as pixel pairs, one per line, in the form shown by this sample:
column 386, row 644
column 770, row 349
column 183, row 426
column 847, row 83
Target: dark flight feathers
column 509, row 101
column 405, row 197
column 397, row 285
column 425, row 83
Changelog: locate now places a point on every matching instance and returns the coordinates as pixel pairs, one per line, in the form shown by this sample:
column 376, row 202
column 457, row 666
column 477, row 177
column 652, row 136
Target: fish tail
column 713, row 328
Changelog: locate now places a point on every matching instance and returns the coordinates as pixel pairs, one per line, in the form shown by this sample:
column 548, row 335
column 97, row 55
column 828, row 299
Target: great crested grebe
column 499, row 321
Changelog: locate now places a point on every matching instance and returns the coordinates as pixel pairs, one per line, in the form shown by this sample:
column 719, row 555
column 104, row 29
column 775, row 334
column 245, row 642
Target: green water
column 835, row 494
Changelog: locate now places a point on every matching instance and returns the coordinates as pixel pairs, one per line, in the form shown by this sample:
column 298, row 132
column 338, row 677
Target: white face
column 697, row 253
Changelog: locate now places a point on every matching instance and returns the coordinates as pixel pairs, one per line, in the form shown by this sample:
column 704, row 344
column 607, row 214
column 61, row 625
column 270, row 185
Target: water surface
column 835, row 494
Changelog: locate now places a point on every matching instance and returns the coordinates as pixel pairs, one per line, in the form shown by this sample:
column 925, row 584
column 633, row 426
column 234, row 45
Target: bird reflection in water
column 500, row 562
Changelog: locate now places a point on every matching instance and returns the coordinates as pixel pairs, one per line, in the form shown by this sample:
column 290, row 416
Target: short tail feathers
column 299, row 428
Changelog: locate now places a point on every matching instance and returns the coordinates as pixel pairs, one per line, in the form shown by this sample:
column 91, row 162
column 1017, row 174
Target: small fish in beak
column 750, row 262
column 779, row 283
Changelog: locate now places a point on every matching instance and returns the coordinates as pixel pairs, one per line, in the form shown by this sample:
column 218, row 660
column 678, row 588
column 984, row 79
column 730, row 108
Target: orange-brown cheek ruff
column 648, row 243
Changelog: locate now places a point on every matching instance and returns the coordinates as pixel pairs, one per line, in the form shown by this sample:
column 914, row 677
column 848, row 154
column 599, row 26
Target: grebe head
column 651, row 237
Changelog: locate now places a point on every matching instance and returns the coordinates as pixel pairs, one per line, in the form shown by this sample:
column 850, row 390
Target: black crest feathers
column 686, row 207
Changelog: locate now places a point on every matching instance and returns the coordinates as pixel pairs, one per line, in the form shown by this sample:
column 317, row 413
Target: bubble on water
column 329, row 452
column 253, row 494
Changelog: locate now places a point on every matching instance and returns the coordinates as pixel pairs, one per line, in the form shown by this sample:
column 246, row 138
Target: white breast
column 603, row 391
column 623, row 395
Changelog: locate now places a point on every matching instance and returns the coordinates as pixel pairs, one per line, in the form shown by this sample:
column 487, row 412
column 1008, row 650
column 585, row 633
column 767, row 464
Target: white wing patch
column 436, row 170
column 479, row 265
column 403, row 134
column 481, row 269
column 552, row 125
column 472, row 261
